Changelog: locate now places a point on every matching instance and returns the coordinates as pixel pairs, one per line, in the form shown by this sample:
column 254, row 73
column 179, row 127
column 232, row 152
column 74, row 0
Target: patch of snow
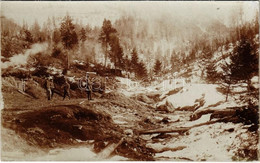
column 255, row 81
column 73, row 154
column 173, row 117
column 193, row 92
column 21, row 68
column 117, row 158
column 76, row 154
column 119, row 119
column 221, row 106
column 79, row 62
column 126, row 81
column 54, row 70
column 120, row 122
column 239, row 89
column 129, row 87
column 208, row 143
column 81, row 141
column 32, row 69
column 202, row 119
column 72, row 79
column 172, row 84
column 156, row 146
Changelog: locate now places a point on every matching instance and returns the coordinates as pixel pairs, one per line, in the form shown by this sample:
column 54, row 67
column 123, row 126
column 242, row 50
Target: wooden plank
column 105, row 153
column 171, row 130
column 158, row 131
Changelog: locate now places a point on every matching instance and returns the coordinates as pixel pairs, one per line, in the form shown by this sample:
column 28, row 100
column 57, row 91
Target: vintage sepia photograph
column 129, row 81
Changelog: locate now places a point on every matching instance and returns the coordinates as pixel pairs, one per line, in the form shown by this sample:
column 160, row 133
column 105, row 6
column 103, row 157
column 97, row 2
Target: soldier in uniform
column 50, row 88
column 88, row 87
column 66, row 89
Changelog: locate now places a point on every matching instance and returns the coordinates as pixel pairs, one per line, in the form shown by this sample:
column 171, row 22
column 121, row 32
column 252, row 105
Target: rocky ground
column 131, row 122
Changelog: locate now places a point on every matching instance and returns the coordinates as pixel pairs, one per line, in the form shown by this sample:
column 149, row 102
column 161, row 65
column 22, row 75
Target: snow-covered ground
column 130, row 87
column 180, row 94
column 192, row 95
column 206, row 143
column 76, row 154
column 213, row 142
column 72, row 154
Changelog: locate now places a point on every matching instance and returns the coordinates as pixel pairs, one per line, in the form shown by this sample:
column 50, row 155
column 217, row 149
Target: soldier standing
column 66, row 89
column 88, row 87
column 50, row 88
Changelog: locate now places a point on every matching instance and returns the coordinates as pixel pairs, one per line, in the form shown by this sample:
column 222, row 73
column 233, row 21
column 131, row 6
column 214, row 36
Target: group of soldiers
column 50, row 87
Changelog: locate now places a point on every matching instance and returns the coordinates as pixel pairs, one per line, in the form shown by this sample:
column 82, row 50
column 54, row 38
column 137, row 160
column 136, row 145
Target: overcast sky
column 94, row 12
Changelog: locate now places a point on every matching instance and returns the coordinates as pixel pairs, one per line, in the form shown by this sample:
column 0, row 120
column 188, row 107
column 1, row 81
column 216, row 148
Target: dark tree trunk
column 106, row 57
